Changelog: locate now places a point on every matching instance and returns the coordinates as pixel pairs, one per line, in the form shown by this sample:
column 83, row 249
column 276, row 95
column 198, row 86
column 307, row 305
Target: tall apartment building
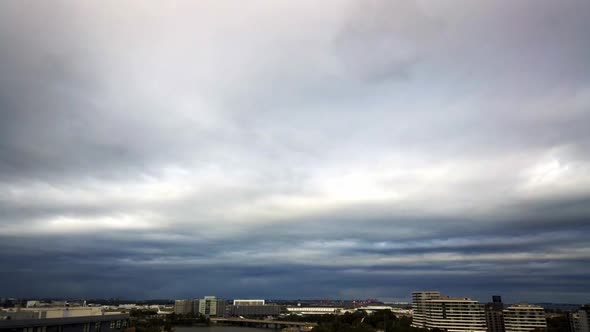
column 495, row 315
column 431, row 310
column 419, row 306
column 524, row 318
column 183, row 307
column 211, row 306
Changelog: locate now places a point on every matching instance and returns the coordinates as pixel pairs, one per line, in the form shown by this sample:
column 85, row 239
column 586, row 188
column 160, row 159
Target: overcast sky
column 295, row 149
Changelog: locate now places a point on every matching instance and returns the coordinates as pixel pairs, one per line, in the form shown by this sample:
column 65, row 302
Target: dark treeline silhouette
column 360, row 321
column 150, row 321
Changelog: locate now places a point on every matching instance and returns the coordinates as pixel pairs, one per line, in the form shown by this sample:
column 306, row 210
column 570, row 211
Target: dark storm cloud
column 345, row 149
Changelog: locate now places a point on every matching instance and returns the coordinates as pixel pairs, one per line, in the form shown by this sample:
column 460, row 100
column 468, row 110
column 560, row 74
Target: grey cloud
column 294, row 150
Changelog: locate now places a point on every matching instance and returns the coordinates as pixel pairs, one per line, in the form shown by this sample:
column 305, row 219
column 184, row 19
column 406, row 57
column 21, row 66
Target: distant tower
column 495, row 315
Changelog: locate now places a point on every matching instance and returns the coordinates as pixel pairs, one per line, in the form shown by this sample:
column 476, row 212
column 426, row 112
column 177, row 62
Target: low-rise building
column 53, row 312
column 314, row 310
column 62, row 320
column 255, row 310
column 460, row 314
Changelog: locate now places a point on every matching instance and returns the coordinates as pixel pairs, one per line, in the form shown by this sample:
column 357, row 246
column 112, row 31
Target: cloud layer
column 304, row 149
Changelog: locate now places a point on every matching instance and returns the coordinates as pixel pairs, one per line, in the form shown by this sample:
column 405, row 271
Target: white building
column 419, row 306
column 314, row 310
column 248, row 302
column 574, row 320
column 130, row 306
column 33, row 304
column 524, row 318
column 455, row 315
column 580, row 320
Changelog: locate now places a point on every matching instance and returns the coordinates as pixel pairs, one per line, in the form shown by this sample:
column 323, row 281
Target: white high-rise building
column 431, row 310
column 419, row 306
column 524, row 318
column 455, row 315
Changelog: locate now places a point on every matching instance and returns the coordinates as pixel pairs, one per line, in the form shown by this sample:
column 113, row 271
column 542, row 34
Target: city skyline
column 295, row 302
column 340, row 149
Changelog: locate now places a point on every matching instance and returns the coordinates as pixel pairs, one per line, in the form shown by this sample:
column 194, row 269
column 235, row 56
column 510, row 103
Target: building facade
column 455, row 315
column 212, row 306
column 255, row 310
column 97, row 323
column 574, row 321
column 524, row 318
column 419, row 300
column 248, row 302
column 314, row 310
column 580, row 321
column 495, row 315
column 183, row 307
column 431, row 310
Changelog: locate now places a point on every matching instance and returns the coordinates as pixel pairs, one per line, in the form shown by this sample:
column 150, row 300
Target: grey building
column 103, row 323
column 255, row 310
column 573, row 321
column 183, row 307
column 455, row 314
column 580, row 320
column 495, row 315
